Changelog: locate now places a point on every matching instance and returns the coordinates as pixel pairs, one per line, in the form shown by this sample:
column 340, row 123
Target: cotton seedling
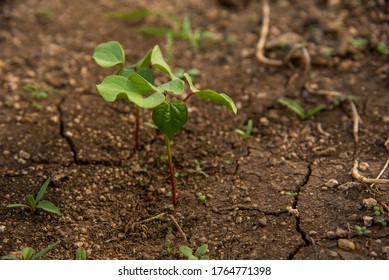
column 198, row 255
column 246, row 134
column 296, row 107
column 136, row 84
column 37, row 202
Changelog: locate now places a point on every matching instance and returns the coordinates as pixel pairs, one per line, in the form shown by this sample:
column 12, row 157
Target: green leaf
column 27, row 253
column 154, row 58
column 312, row 111
column 80, row 254
column 170, row 117
column 18, row 205
column 31, row 200
column 201, row 250
column 109, row 54
column 48, row 206
column 242, row 133
column 186, row 251
column 176, row 86
column 192, row 258
column 207, row 94
column 42, row 190
column 147, row 74
column 9, row 258
column 44, row 251
column 137, row 14
column 116, row 87
column 126, row 72
column 294, row 106
column 205, row 258
column 249, row 127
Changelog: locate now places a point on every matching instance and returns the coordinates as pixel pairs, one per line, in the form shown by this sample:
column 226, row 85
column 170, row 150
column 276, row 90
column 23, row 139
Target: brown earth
column 106, row 192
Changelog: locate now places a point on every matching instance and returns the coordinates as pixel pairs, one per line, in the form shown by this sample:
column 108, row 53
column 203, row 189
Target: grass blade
column 294, row 106
column 44, row 251
column 42, row 190
column 48, row 206
column 312, row 111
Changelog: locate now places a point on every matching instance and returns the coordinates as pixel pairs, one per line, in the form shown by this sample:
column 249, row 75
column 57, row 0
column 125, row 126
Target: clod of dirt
column 346, row 244
column 367, row 221
column 369, row 203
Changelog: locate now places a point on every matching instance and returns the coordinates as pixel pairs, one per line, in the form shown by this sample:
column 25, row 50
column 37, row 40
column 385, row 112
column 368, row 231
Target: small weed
column 377, row 211
column 198, row 169
column 28, row 253
column 37, row 203
column 201, row 197
column 199, row 254
column 361, row 230
column 296, row 107
column 80, row 254
column 383, row 48
column 38, row 93
column 359, row 42
column 246, row 134
column 378, row 219
column 168, row 248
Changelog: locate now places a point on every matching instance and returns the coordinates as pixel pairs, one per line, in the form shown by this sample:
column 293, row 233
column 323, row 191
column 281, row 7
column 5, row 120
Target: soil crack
column 63, row 132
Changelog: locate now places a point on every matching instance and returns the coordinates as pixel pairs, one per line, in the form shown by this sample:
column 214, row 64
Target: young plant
column 28, row 253
column 361, row 230
column 136, row 84
column 198, row 255
column 246, row 134
column 377, row 217
column 39, row 93
column 383, row 48
column 37, row 202
column 295, row 107
column 80, row 254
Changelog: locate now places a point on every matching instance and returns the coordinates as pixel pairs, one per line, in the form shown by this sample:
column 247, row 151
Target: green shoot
column 28, row 253
column 383, row 48
column 37, row 202
column 296, row 107
column 246, row 134
column 361, row 230
column 198, row 255
column 80, row 254
column 201, row 197
column 359, row 42
column 39, row 93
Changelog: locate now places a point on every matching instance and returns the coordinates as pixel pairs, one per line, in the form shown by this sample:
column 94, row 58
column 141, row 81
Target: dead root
column 362, row 179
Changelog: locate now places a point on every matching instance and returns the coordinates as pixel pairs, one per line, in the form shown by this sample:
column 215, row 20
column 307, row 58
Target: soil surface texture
column 288, row 192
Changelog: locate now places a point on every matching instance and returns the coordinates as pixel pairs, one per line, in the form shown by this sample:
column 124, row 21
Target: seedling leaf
column 18, row 205
column 201, row 250
column 312, row 111
column 42, row 190
column 109, row 54
column 48, row 206
column 176, row 86
column 192, row 258
column 31, row 200
column 205, row 258
column 116, row 87
column 44, row 251
column 294, row 106
column 170, row 117
column 186, row 251
column 27, row 253
column 80, row 254
column 207, row 94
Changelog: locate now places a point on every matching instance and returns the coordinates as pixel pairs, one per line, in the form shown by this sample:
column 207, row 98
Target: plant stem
column 188, row 96
column 169, row 154
column 137, row 124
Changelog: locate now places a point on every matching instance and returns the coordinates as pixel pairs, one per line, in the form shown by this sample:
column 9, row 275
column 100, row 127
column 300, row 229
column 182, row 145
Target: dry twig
column 356, row 120
column 178, row 227
column 362, row 179
column 132, row 225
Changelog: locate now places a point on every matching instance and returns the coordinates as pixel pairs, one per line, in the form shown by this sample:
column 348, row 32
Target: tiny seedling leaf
column 170, row 117
column 9, row 258
column 80, row 254
column 116, row 87
column 42, row 190
column 201, row 250
column 192, row 258
column 109, row 54
column 27, row 253
column 48, row 206
column 18, row 205
column 205, row 258
column 44, row 251
column 186, row 251
column 207, row 94
column 31, row 200
column 294, row 106
column 312, row 111
column 176, row 86
column 147, row 74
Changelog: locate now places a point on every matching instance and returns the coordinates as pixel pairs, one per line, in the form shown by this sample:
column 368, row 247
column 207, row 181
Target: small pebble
column 332, row 183
column 122, row 235
column 341, row 232
column 367, row 221
column 346, row 244
column 363, row 166
column 369, row 203
column 385, row 250
column 262, row 222
column 333, row 254
column 2, row 228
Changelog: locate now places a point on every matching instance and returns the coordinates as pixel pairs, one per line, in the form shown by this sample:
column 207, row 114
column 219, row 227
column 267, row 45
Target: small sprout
column 80, row 254
column 292, row 194
column 168, row 249
column 359, row 42
column 377, row 211
column 342, row 98
column 199, row 254
column 295, row 107
column 38, row 93
column 37, row 203
column 198, row 169
column 192, row 72
column 200, row 197
column 28, row 253
column 383, row 48
column 361, row 230
column 246, row 134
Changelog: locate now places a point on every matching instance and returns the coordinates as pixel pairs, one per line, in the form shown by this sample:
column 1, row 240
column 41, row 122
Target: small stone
column 363, row 166
column 79, row 244
column 2, row 228
column 341, row 232
column 122, row 235
column 331, row 183
column 264, row 121
column 23, row 154
column 312, row 233
column 21, row 161
column 262, row 222
column 247, row 199
column 373, row 254
column 346, row 244
column 385, row 250
column 333, row 254
column 369, row 203
column 367, row 221
column 331, row 234
column 239, row 220
column 293, row 211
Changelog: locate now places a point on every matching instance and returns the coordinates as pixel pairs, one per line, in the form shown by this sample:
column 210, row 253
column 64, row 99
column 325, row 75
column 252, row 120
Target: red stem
column 137, row 125
column 188, row 96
